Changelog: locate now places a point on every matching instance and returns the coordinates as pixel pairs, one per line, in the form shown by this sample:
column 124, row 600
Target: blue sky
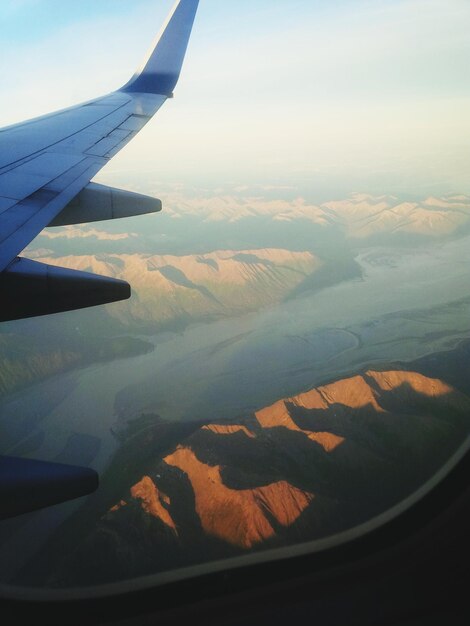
column 352, row 95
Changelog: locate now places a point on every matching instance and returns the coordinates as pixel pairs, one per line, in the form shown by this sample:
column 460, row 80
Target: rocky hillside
column 177, row 289
column 195, row 222
column 359, row 217
column 305, row 467
column 25, row 360
column 169, row 292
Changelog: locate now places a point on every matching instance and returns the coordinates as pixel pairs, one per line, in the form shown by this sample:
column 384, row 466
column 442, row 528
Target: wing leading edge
column 45, row 164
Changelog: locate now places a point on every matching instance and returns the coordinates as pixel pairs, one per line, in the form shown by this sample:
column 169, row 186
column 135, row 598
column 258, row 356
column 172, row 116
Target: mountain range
column 198, row 223
column 305, row 467
column 169, row 292
column 359, row 217
column 177, row 289
column 279, row 248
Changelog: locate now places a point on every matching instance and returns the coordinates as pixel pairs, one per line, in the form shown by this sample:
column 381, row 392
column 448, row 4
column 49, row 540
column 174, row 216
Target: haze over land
column 327, row 336
column 273, row 250
column 295, row 356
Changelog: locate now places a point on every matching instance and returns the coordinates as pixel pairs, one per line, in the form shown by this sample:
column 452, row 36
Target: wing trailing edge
column 161, row 70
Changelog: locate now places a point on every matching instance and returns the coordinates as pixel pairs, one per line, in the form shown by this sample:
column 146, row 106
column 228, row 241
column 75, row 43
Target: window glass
column 294, row 359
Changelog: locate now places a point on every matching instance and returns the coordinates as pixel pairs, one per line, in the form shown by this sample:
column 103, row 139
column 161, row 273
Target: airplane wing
column 46, row 166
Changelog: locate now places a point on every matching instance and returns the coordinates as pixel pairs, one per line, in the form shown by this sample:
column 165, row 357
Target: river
column 408, row 304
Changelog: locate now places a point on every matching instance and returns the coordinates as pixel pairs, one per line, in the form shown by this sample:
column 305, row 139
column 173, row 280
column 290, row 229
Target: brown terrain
column 169, row 292
column 175, row 289
column 239, row 517
column 359, row 216
column 168, row 288
column 305, row 467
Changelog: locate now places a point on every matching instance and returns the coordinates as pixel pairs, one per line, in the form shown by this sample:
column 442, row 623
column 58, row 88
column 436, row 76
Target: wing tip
column 161, row 70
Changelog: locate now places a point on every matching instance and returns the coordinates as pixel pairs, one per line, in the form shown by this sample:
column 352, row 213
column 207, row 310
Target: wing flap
column 113, row 140
column 6, row 203
column 25, row 179
column 23, row 140
column 134, row 123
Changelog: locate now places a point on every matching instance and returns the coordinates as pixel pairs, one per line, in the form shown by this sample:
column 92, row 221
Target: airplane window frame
column 381, row 543
column 384, row 539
